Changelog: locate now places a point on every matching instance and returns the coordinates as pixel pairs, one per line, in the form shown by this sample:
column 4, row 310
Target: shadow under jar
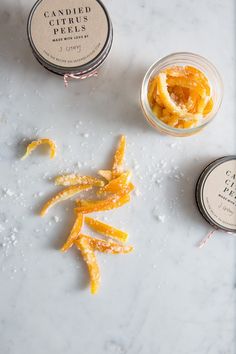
column 182, row 59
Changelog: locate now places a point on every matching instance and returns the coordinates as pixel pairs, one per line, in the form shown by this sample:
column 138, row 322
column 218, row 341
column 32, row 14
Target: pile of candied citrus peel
column 113, row 191
column 180, row 96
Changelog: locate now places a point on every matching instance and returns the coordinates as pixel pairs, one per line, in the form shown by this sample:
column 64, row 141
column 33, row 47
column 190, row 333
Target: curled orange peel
column 73, row 179
column 119, row 157
column 90, row 206
column 63, row 195
column 74, row 233
column 106, row 229
column 34, row 144
column 83, row 244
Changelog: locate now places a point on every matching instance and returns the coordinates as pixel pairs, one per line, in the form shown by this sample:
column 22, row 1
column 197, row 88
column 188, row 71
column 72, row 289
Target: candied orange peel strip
column 63, row 195
column 106, row 230
column 91, row 206
column 74, row 233
column 116, row 185
column 74, row 179
column 119, row 157
column 34, row 144
column 83, row 244
column 105, row 246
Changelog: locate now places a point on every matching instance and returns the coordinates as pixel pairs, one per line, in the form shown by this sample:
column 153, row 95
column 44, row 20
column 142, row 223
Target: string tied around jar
column 78, row 76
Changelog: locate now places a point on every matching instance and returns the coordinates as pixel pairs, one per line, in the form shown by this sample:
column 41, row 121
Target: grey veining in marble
column 168, row 296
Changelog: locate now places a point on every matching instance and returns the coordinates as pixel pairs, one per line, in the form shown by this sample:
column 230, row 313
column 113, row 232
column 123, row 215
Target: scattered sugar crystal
column 86, row 135
column 56, row 218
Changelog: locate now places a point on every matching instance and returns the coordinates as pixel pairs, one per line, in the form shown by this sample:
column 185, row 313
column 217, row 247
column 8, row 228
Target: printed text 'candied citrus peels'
column 106, row 229
column 119, row 157
column 90, row 206
column 34, row 144
column 106, row 246
column 73, row 179
column 74, row 233
column 63, row 195
column 89, row 257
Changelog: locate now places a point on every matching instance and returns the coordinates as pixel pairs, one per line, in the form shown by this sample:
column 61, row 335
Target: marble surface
column 168, row 296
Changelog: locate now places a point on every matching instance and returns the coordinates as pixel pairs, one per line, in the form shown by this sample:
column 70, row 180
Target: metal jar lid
column 216, row 193
column 70, row 36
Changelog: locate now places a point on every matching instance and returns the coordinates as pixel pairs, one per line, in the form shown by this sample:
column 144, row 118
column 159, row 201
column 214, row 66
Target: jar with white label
column 71, row 38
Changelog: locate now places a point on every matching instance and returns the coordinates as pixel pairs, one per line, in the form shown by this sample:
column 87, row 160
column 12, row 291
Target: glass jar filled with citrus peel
column 181, row 93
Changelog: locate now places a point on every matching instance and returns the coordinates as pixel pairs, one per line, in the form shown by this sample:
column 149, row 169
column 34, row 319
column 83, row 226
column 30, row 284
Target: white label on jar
column 69, row 33
column 219, row 194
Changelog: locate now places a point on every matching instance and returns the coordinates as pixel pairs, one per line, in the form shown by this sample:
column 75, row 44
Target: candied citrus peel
column 119, row 157
column 74, row 233
column 91, row 206
column 116, row 185
column 34, row 144
column 73, row 179
column 63, row 195
column 106, row 229
column 83, row 244
column 180, row 96
column 105, row 246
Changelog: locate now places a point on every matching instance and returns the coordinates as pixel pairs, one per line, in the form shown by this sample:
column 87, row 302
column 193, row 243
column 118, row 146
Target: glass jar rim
column 176, row 57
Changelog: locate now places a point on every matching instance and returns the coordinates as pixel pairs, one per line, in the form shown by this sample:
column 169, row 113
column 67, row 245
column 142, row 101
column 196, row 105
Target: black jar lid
column 216, row 193
column 70, row 36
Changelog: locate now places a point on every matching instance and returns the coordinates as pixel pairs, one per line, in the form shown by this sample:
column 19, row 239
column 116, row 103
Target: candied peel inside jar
column 180, row 96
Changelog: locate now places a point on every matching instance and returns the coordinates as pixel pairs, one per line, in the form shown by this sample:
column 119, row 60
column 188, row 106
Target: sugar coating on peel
column 180, row 96
column 119, row 156
column 105, row 246
column 63, row 195
column 34, row 144
column 90, row 259
column 106, row 230
column 74, row 179
column 90, row 206
column 74, row 233
column 116, row 185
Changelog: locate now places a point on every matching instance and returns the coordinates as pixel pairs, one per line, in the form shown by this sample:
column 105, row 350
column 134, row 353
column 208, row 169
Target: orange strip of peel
column 105, row 246
column 74, row 233
column 90, row 206
column 73, row 179
column 34, row 144
column 119, row 157
column 63, row 195
column 106, row 229
column 83, row 244
column 116, row 185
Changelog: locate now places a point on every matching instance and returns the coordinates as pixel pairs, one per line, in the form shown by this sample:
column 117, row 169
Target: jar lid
column 70, row 36
column 216, row 193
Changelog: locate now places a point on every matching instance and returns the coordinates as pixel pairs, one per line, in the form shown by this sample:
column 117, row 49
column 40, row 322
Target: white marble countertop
column 168, row 296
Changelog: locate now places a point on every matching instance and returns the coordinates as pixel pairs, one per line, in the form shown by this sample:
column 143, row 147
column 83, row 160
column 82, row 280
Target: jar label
column 69, row 33
column 219, row 195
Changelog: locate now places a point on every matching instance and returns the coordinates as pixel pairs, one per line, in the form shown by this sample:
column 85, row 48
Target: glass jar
column 182, row 59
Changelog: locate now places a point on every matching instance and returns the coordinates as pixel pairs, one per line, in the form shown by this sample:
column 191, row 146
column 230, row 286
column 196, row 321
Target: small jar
column 182, row 59
column 71, row 38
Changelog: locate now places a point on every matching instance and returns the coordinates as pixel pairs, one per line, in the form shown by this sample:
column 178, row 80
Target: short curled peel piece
column 91, row 206
column 63, row 195
column 34, row 144
column 74, row 179
column 106, row 230
column 74, row 233
column 87, row 251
